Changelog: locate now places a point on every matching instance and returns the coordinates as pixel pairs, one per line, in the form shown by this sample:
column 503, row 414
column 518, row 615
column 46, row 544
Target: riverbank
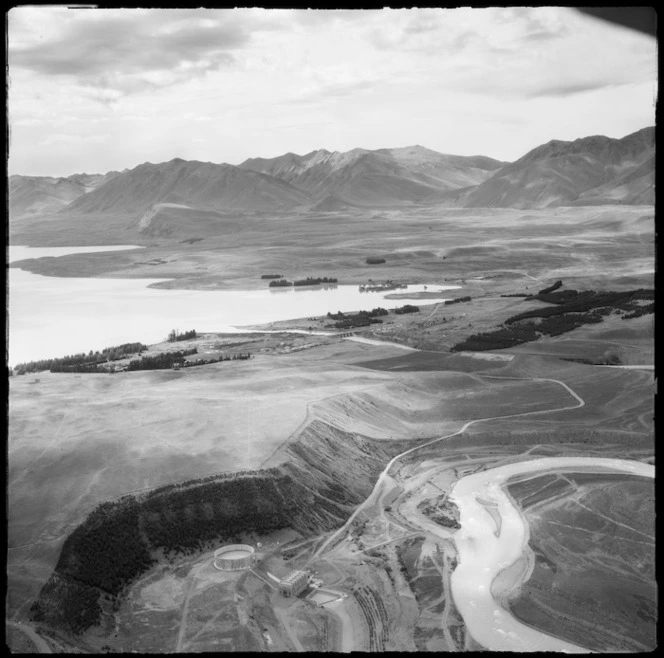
column 483, row 555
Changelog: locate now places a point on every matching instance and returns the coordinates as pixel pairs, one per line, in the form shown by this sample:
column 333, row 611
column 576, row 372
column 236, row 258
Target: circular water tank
column 234, row 557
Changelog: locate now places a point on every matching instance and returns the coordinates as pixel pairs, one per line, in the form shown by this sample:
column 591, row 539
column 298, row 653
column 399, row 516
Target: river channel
column 56, row 316
column 484, row 549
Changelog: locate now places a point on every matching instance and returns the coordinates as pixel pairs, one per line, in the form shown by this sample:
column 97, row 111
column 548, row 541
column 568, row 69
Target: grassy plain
column 582, row 246
column 76, row 440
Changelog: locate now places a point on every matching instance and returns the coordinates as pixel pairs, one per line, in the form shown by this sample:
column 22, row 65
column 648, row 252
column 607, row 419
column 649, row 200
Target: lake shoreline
column 55, row 316
column 103, row 264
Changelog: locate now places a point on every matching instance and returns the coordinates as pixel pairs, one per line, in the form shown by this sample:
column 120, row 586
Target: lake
column 55, row 316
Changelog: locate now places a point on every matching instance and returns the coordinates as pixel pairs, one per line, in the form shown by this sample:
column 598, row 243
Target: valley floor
column 78, row 440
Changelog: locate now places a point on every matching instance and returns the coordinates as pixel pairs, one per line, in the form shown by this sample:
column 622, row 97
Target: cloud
column 564, row 89
column 131, row 50
column 323, row 90
column 309, row 18
column 450, row 31
column 531, row 83
column 68, row 140
column 533, row 24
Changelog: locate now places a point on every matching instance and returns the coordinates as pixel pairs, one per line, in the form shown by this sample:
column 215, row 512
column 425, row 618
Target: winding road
column 483, row 552
column 39, row 641
column 504, row 632
column 381, row 483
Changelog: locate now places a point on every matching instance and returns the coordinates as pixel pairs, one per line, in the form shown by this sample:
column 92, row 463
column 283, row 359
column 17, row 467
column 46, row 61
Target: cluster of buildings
column 380, row 286
column 294, row 583
column 237, row 557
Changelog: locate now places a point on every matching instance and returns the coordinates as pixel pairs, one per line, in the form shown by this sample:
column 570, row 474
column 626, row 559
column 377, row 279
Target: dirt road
column 39, row 641
column 382, row 483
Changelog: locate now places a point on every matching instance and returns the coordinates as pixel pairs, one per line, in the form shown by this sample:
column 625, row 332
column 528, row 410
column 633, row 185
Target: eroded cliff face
column 339, row 461
column 328, row 472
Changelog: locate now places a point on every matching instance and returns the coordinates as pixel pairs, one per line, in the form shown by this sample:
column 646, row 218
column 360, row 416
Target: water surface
column 56, row 316
column 484, row 553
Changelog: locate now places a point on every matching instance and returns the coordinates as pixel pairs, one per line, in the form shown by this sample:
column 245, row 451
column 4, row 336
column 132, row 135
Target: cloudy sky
column 91, row 90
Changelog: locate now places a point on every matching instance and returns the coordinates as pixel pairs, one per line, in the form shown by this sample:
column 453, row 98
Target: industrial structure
column 234, row 557
column 294, row 583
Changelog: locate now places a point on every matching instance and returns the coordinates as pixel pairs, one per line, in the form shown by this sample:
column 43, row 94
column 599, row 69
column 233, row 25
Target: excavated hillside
column 316, row 480
column 328, row 473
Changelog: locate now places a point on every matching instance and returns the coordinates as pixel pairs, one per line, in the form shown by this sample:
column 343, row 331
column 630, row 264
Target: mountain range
column 587, row 171
column 39, row 195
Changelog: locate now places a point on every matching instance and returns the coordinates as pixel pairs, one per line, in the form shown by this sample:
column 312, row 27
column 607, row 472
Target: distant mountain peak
column 179, row 183
column 589, row 170
column 382, row 177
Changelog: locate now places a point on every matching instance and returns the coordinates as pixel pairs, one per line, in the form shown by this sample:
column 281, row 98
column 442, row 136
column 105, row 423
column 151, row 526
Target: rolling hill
column 588, row 171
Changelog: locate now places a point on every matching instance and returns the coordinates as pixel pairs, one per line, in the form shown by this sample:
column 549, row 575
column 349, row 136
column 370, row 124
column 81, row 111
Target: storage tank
column 234, row 557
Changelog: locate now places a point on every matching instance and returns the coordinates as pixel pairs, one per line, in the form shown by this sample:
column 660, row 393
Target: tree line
column 93, row 357
column 314, row 281
column 118, row 540
column 571, row 309
column 457, row 300
column 309, row 281
column 407, row 308
column 161, row 361
column 555, row 286
column 366, row 318
column 641, row 310
column 167, row 360
column 361, row 319
column 99, row 559
column 175, row 335
column 571, row 301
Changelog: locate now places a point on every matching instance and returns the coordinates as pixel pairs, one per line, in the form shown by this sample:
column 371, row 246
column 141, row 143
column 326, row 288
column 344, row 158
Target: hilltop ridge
column 588, row 171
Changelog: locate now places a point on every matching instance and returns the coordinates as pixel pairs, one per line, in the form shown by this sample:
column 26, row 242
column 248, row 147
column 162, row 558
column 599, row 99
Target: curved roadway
column 380, row 483
column 499, row 615
column 39, row 641
column 482, row 554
